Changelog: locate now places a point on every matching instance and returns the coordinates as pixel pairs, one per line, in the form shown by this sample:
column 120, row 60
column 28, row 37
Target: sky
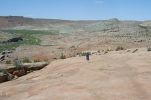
column 78, row 9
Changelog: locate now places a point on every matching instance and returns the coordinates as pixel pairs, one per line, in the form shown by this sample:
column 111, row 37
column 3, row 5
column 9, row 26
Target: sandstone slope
column 118, row 75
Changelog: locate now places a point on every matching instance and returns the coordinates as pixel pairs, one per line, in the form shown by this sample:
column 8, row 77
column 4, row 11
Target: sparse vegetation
column 31, row 32
column 62, row 56
column 18, row 64
column 135, row 50
column 26, row 60
column 3, row 71
column 8, row 46
column 83, row 53
column 109, row 50
column 99, row 51
column 28, row 36
column 36, row 60
column 105, row 52
column 149, row 49
column 119, row 48
column 8, row 62
column 128, row 50
column 40, row 57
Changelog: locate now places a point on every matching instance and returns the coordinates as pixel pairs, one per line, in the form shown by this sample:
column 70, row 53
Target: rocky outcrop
column 16, row 39
column 2, row 57
column 13, row 72
column 20, row 73
column 34, row 66
column 5, row 55
column 3, row 77
column 6, row 52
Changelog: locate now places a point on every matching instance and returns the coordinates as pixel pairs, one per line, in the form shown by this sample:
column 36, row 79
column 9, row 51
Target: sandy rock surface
column 113, row 76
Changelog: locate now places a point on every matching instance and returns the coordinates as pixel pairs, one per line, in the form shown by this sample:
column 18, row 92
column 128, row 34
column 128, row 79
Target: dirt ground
column 118, row 75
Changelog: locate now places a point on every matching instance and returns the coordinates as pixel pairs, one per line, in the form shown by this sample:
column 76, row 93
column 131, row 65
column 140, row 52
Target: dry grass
column 40, row 57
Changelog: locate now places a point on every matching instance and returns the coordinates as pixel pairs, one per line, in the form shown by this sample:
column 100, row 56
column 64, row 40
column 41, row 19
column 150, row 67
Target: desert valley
column 44, row 59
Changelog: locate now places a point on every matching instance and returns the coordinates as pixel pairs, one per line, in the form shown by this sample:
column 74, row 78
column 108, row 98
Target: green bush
column 83, row 53
column 105, row 52
column 119, row 48
column 149, row 49
column 135, row 50
column 8, row 62
column 3, row 71
column 99, row 51
column 62, row 56
column 17, row 64
column 37, row 60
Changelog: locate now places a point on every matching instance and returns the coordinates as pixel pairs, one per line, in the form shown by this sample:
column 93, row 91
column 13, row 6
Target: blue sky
column 78, row 9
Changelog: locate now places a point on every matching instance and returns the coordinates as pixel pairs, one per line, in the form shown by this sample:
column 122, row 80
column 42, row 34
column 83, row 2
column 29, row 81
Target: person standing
column 87, row 56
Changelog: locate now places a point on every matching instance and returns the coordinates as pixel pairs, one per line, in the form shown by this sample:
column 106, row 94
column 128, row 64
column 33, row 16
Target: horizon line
column 82, row 19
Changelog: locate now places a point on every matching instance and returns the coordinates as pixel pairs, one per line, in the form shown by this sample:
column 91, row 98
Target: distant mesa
column 114, row 19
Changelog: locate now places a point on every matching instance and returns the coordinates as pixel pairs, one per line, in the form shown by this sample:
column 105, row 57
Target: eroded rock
column 13, row 72
column 3, row 75
column 20, row 73
column 3, row 78
column 35, row 66
column 2, row 57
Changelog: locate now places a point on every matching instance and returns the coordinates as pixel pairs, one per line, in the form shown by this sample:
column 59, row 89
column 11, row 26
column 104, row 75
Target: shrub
column 105, row 52
column 36, row 60
column 135, row 50
column 99, row 51
column 149, row 49
column 84, row 53
column 62, row 56
column 8, row 62
column 17, row 64
column 128, row 50
column 26, row 60
column 119, row 48
column 3, row 71
column 108, row 50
